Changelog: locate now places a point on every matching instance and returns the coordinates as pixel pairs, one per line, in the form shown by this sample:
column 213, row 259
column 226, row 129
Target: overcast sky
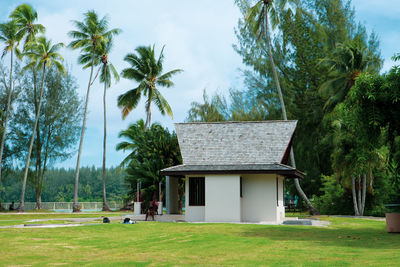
column 198, row 38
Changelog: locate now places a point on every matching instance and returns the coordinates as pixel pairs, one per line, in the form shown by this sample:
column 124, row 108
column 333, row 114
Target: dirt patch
column 71, row 247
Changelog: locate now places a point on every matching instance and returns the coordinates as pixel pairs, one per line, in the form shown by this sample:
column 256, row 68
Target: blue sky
column 198, row 36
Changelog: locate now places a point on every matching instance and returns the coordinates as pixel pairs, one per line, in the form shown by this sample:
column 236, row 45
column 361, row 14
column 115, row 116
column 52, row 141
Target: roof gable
column 235, row 142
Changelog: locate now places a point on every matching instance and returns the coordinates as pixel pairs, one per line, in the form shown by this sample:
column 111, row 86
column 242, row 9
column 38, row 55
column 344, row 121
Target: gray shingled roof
column 234, row 143
column 276, row 168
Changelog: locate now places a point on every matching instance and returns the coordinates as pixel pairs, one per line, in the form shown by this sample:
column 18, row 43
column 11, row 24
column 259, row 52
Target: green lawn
column 346, row 242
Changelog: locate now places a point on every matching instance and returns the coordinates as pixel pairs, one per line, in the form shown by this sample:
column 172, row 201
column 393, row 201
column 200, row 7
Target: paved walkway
column 159, row 218
column 360, row 217
column 83, row 221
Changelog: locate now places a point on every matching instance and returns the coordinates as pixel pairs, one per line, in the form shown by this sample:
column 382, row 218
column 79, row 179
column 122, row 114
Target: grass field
column 346, row 242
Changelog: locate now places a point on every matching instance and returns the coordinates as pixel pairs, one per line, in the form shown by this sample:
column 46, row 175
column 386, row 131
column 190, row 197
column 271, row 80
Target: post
column 137, row 206
column 137, row 192
column 159, row 192
column 160, row 202
column 167, row 195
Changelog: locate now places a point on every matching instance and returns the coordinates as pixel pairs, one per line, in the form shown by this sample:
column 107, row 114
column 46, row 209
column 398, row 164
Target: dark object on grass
column 12, row 206
column 129, row 221
column 106, row 220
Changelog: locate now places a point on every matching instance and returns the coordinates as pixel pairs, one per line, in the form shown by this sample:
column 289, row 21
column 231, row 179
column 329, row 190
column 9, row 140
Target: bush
column 335, row 199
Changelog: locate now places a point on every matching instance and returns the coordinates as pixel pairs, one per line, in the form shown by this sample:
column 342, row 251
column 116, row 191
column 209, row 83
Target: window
column 196, row 191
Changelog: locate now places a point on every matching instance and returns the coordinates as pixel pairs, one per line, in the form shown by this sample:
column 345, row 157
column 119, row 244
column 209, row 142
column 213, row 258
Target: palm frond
column 164, row 80
column 129, row 100
column 133, row 74
column 162, row 104
column 114, row 72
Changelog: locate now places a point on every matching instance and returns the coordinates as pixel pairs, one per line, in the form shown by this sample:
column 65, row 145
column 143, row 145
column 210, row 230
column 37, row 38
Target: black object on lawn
column 106, row 220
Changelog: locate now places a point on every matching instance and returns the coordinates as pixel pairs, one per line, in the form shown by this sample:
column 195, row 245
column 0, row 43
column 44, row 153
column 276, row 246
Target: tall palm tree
column 8, row 35
column 258, row 19
column 348, row 62
column 25, row 16
column 107, row 71
column 42, row 55
column 89, row 35
column 147, row 71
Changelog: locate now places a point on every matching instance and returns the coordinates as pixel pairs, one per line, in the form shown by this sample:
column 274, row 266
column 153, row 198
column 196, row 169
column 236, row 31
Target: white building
column 234, row 171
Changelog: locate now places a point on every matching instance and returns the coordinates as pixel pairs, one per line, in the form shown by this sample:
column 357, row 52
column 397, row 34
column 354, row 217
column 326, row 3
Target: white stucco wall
column 222, row 198
column 280, row 215
column 192, row 213
column 224, row 204
column 259, row 201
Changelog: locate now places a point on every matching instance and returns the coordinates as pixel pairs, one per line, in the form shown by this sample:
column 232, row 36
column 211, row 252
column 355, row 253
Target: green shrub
column 335, row 199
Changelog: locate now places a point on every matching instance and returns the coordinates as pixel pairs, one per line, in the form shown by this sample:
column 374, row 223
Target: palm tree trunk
column 359, row 195
column 22, row 200
column 38, row 199
column 3, row 137
column 313, row 210
column 364, row 192
column 353, row 192
column 271, row 59
column 38, row 148
column 39, row 187
column 148, row 118
column 148, row 111
column 105, row 206
column 149, row 121
column 75, row 207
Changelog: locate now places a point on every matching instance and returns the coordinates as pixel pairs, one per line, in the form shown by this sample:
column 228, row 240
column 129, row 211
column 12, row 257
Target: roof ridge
column 234, row 122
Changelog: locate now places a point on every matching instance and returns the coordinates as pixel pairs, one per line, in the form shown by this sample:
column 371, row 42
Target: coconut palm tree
column 8, row 35
column 25, row 16
column 107, row 71
column 147, row 71
column 42, row 54
column 259, row 17
column 348, row 62
column 88, row 37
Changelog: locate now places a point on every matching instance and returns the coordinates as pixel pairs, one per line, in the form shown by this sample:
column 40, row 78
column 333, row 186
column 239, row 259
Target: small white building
column 234, row 171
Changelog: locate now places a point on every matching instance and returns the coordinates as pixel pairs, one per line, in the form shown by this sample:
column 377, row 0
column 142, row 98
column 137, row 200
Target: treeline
column 59, row 185
column 346, row 143
column 39, row 103
column 40, row 110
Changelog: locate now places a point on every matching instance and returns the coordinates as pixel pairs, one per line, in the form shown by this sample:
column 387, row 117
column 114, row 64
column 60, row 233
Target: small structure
column 234, row 171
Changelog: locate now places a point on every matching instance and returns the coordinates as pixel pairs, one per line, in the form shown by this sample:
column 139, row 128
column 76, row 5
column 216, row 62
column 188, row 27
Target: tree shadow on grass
column 374, row 238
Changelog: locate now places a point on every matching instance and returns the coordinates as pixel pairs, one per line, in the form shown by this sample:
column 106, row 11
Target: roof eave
column 181, row 173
